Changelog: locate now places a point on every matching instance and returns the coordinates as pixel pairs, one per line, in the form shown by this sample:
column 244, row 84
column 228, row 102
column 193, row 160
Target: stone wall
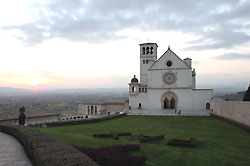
column 238, row 111
column 115, row 107
column 35, row 119
column 102, row 108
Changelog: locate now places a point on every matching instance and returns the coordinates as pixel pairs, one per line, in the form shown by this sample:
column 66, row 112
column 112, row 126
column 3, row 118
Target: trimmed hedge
column 104, row 135
column 44, row 150
column 111, row 134
column 183, row 143
column 77, row 122
column 115, row 155
column 124, row 134
column 145, row 139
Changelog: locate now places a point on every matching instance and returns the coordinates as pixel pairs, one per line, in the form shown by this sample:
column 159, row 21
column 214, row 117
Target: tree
column 247, row 95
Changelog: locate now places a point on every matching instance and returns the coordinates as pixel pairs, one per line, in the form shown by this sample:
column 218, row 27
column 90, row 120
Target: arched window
column 151, row 50
column 139, row 89
column 139, row 107
column 207, row 106
column 133, row 89
column 143, row 50
column 88, row 110
column 146, row 89
column 172, row 103
column 147, row 50
column 142, row 89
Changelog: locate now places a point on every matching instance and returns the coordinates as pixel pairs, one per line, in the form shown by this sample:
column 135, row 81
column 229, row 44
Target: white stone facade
column 167, row 83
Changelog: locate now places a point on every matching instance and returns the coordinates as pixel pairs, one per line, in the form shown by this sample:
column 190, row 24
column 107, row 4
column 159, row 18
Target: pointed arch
column 169, row 100
column 208, row 106
column 139, row 106
column 166, row 103
column 172, row 103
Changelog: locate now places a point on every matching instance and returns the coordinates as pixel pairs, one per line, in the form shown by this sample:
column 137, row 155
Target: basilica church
column 167, row 83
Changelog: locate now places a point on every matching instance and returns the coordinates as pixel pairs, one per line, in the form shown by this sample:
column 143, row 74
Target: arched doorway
column 172, row 103
column 166, row 103
column 169, row 100
column 207, row 106
column 139, row 107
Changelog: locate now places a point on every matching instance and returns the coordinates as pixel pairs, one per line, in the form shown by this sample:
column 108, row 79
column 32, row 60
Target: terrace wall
column 237, row 111
column 43, row 118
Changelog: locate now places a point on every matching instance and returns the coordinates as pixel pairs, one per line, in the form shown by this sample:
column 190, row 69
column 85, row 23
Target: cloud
column 225, row 38
column 220, row 24
column 232, row 56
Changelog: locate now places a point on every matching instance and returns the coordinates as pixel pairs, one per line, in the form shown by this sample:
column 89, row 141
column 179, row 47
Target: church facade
column 167, row 83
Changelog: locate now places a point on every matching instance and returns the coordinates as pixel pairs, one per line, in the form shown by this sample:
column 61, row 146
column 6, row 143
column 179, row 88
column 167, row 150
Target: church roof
column 165, row 54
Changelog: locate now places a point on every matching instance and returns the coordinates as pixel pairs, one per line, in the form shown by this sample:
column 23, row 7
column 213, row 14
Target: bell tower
column 148, row 55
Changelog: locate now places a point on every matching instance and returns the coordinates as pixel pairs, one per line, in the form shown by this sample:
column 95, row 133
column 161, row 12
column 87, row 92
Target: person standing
column 21, row 116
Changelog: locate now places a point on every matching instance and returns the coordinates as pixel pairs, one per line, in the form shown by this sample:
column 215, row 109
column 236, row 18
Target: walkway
column 165, row 112
column 12, row 152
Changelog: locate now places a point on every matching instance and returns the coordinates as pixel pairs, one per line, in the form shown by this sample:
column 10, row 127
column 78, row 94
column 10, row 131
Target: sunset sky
column 54, row 44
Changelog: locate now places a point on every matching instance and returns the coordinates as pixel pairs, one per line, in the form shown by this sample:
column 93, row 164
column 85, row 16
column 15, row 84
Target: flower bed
column 114, row 155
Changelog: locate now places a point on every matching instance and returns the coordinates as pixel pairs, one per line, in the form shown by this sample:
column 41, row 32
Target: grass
column 218, row 143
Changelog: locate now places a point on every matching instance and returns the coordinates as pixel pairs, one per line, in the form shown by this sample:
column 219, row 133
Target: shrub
column 44, row 150
column 114, row 155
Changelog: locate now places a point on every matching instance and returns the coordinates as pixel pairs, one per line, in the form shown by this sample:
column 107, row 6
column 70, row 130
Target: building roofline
column 187, row 58
column 103, row 103
column 148, row 43
column 166, row 53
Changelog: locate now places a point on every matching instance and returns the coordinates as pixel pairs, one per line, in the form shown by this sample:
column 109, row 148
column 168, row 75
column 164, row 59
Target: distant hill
column 226, row 93
column 13, row 91
column 234, row 96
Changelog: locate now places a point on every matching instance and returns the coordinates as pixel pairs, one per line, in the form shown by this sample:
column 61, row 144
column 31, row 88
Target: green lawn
column 218, row 143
